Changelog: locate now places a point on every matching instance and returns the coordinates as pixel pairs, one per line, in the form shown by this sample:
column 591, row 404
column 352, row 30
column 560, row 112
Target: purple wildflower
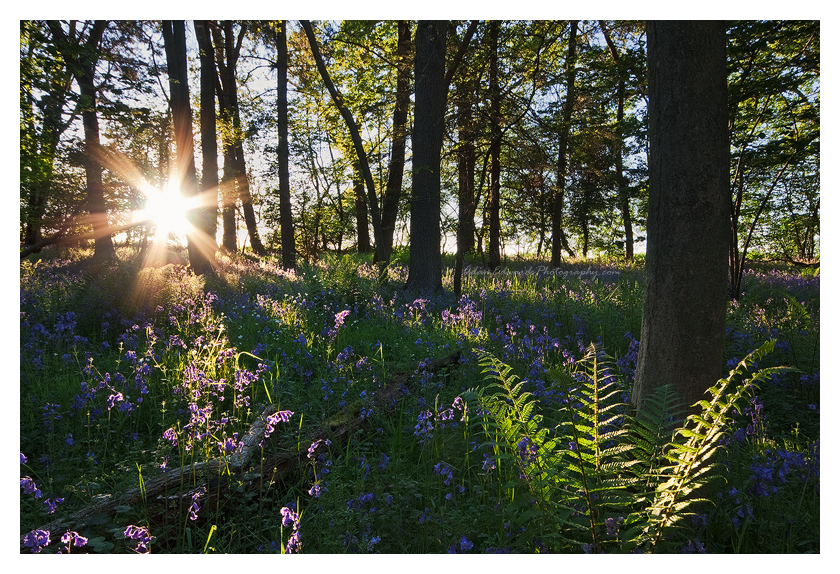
column 28, row 486
column 141, row 535
column 194, row 507
column 36, row 540
column 72, row 538
column 171, row 436
column 113, row 399
column 52, row 504
column 272, row 420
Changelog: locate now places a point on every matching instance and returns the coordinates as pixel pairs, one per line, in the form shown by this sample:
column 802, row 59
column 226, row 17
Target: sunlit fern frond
column 689, row 455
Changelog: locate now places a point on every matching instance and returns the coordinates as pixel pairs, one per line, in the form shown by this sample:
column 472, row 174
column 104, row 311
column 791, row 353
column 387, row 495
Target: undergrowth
column 142, row 389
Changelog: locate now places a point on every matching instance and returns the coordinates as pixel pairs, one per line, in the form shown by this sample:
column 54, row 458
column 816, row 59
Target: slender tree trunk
column 427, row 140
column 466, row 181
column 494, row 230
column 83, row 62
column 558, row 239
column 621, row 181
column 287, row 231
column 338, row 99
column 396, row 166
column 684, row 308
column 209, row 145
column 228, row 189
column 363, row 237
column 228, row 77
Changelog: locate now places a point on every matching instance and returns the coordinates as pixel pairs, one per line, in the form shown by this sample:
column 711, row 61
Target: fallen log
column 280, row 466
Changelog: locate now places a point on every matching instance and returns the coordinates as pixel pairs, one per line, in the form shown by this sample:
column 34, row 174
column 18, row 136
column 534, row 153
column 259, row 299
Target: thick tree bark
column 684, row 306
column 287, row 230
column 558, row 235
column 494, row 228
column 209, row 144
column 396, row 166
column 427, row 140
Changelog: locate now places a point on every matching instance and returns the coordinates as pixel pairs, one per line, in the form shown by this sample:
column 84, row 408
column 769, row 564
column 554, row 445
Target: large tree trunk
column 430, row 106
column 209, row 145
column 558, row 235
column 684, row 306
column 174, row 37
column 287, row 231
column 396, row 166
column 494, row 230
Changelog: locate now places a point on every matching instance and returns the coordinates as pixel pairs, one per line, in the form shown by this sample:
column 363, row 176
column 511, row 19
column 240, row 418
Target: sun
column 167, row 209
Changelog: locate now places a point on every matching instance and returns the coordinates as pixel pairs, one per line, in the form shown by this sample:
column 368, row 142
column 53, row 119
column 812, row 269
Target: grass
column 139, row 389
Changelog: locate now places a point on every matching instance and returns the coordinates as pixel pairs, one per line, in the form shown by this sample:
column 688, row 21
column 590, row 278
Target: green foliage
column 644, row 472
column 547, row 456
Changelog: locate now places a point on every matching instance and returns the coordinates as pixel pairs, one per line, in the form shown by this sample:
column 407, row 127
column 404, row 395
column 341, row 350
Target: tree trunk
column 494, row 230
column 427, row 140
column 623, row 192
column 362, row 234
column 558, row 235
column 396, row 166
column 223, row 53
column 684, row 307
column 209, row 145
column 175, row 42
column 287, row 231
column 228, row 77
column 83, row 61
column 357, row 142
column 465, row 240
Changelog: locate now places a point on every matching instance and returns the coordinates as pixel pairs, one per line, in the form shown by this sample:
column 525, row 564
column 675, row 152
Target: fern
column 689, row 457
column 516, row 431
column 595, row 425
column 598, row 463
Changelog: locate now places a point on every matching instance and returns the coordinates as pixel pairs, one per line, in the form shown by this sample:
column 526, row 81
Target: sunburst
column 167, row 210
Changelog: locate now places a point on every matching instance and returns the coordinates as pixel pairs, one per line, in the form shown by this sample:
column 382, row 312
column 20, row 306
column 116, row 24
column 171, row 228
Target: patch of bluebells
column 444, row 470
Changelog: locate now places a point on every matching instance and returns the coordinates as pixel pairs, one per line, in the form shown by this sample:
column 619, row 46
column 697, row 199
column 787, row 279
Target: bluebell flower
column 72, row 538
column 170, row 436
column 194, row 506
column 28, row 486
column 36, row 540
column 141, row 535
column 52, row 504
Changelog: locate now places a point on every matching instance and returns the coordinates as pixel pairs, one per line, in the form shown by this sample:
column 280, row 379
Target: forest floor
column 322, row 411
